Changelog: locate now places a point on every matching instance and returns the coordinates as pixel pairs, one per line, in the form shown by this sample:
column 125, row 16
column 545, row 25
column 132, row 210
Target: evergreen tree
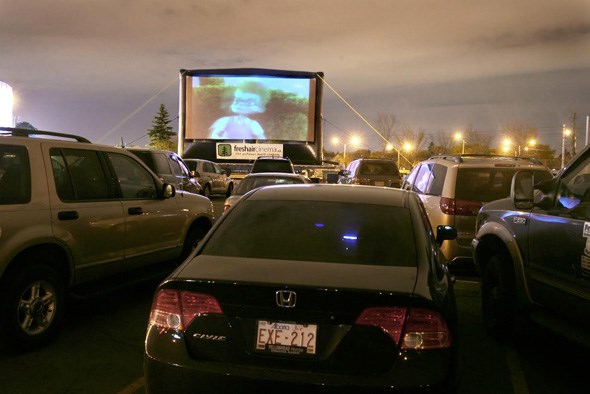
column 161, row 135
column 25, row 125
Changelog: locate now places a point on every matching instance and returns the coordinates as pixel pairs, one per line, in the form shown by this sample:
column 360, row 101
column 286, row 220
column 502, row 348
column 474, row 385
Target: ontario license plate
column 379, row 183
column 286, row 338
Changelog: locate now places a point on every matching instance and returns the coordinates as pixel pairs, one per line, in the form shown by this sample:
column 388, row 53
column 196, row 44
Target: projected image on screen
column 250, row 108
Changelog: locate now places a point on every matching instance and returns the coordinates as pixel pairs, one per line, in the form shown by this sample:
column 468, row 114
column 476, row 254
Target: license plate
column 379, row 183
column 286, row 338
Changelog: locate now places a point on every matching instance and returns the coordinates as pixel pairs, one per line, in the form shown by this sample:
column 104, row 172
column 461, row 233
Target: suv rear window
column 378, row 168
column 488, row 184
column 15, row 175
column 270, row 165
column 326, row 232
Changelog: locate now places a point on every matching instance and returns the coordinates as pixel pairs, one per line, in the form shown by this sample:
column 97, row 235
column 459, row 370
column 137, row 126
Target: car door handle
column 135, row 211
column 67, row 215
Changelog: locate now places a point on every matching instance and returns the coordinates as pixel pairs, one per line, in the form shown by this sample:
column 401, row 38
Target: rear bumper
column 169, row 368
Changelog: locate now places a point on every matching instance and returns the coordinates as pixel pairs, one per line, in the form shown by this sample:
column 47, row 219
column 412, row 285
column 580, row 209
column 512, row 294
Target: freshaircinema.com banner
column 232, row 151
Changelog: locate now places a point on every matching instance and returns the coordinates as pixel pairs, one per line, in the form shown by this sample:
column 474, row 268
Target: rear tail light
column 356, row 180
column 175, row 309
column 450, row 206
column 390, row 319
column 424, row 329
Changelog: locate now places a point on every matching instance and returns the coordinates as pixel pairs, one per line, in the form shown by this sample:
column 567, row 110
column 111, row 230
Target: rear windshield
column 272, row 166
column 488, row 184
column 379, row 168
column 328, row 232
column 251, row 183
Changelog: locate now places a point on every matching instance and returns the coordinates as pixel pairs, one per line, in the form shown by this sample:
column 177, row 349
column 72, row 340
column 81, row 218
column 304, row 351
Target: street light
column 565, row 132
column 507, row 145
column 530, row 144
column 459, row 137
column 354, row 141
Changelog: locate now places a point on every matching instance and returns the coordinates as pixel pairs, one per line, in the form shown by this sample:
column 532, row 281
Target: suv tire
column 498, row 299
column 193, row 237
column 207, row 190
column 33, row 305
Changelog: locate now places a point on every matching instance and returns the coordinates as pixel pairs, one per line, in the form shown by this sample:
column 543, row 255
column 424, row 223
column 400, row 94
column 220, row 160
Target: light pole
column 354, row 141
column 530, row 144
column 564, row 132
column 459, row 137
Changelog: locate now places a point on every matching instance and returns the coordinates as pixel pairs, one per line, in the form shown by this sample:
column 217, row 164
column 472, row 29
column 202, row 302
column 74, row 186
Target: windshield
column 251, row 183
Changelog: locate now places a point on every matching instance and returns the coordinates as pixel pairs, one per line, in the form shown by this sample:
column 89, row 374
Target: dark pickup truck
column 533, row 253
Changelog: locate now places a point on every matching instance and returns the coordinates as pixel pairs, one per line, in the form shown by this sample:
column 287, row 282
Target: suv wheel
column 32, row 306
column 207, row 190
column 498, row 298
column 230, row 189
column 193, row 237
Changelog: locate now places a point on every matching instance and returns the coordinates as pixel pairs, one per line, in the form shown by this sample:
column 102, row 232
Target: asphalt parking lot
column 100, row 348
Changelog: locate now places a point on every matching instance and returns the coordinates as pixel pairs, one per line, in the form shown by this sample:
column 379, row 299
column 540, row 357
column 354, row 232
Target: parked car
column 170, row 167
column 309, row 287
column 75, row 216
column 254, row 181
column 272, row 164
column 373, row 172
column 533, row 253
column 212, row 178
column 454, row 187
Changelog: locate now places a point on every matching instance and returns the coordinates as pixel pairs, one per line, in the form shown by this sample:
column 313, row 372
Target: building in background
column 6, row 102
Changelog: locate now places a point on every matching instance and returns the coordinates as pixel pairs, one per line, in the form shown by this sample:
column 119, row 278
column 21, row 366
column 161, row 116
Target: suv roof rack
column 16, row 132
column 460, row 158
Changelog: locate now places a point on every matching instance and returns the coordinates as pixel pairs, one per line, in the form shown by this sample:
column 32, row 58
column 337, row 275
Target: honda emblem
column 286, row 298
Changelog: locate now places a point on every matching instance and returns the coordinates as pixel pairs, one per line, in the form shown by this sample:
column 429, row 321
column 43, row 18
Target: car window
column 134, row 180
column 251, row 183
column 208, row 167
column 176, row 166
column 378, row 168
column 79, row 174
column 423, row 179
column 272, row 166
column 217, row 169
column 574, row 187
column 483, row 184
column 192, row 165
column 15, row 175
column 352, row 166
column 317, row 231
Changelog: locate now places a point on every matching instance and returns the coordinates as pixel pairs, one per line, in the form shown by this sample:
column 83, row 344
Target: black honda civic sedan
column 309, row 288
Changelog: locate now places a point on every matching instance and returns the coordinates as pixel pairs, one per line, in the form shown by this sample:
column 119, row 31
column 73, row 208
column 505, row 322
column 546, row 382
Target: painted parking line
column 134, row 387
column 519, row 385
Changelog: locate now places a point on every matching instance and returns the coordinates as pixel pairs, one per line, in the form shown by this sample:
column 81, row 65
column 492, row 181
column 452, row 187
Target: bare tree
column 444, row 142
column 385, row 124
column 521, row 134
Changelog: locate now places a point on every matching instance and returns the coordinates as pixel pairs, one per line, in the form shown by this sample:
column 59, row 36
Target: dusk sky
column 101, row 68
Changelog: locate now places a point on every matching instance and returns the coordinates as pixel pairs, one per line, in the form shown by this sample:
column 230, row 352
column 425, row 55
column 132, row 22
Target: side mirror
column 445, row 233
column 168, row 190
column 522, row 190
column 227, row 172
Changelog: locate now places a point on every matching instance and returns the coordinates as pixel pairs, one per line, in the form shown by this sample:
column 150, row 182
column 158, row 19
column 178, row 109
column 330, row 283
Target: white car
column 260, row 179
column 213, row 179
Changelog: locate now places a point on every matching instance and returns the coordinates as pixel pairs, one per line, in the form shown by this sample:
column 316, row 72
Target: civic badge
column 286, row 298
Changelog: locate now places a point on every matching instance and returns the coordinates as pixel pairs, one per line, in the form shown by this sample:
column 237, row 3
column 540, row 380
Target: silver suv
column 170, row 167
column 454, row 188
column 212, row 178
column 373, row 172
column 73, row 213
